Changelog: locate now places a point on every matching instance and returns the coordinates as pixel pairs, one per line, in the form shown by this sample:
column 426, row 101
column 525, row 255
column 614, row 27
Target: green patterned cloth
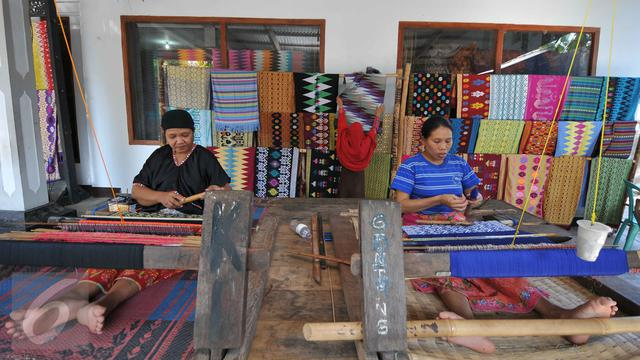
column 499, row 137
column 376, row 177
column 610, row 202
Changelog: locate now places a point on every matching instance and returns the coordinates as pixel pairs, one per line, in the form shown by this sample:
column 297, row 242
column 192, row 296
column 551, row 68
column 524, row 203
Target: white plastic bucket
column 591, row 238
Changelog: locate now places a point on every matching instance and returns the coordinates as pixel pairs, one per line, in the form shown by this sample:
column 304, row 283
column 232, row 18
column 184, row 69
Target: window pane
column 545, row 53
column 452, row 51
column 274, row 47
column 150, row 48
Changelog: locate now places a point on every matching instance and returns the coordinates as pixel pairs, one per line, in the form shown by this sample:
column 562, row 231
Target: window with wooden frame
column 151, row 43
column 454, row 48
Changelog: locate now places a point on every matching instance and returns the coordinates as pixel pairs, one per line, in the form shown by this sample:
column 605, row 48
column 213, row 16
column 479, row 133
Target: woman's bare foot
column 92, row 316
column 600, row 307
column 14, row 326
column 40, row 320
column 475, row 343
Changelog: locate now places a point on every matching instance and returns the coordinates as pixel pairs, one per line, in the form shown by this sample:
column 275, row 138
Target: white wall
column 358, row 33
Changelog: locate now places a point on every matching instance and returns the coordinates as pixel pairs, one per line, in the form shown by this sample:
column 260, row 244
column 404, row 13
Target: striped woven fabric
column 473, row 96
column 361, row 95
column 618, row 141
column 41, row 56
column 376, row 177
column 577, row 138
column 583, row 99
column 235, row 100
column 239, row 163
column 611, row 190
column 499, row 137
column 622, row 98
column 508, row 97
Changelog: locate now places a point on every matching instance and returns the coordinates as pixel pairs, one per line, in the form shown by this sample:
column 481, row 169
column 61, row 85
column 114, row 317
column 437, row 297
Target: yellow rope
column 604, row 118
column 553, row 121
column 86, row 107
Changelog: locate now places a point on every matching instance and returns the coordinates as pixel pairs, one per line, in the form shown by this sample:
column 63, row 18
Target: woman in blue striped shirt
column 433, row 183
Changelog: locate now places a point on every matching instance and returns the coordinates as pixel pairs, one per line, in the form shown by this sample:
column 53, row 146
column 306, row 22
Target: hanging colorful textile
column 430, row 95
column 41, row 56
column 323, row 174
column 202, row 123
column 276, row 172
column 361, row 95
column 611, row 190
column 385, row 137
column 232, row 139
column 622, row 98
column 376, row 176
column 462, row 132
column 413, row 135
column 564, row 187
column 583, row 99
column 534, row 136
column 473, row 96
column 499, row 137
column 211, row 55
column 241, row 60
column 49, row 132
column 508, row 97
column 543, row 97
column 520, row 172
column 577, row 138
column 489, row 168
column 316, row 130
column 188, row 87
column 276, row 92
column 239, row 163
column 619, row 137
column 316, row 93
column 235, row 100
column 280, row 130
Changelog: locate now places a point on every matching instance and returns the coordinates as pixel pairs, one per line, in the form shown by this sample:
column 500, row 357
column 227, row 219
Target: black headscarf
column 177, row 119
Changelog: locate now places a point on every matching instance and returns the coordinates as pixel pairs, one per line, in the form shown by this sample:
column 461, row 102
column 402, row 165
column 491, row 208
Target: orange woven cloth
column 564, row 187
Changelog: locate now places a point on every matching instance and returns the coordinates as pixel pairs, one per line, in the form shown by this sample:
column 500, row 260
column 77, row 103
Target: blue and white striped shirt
column 422, row 179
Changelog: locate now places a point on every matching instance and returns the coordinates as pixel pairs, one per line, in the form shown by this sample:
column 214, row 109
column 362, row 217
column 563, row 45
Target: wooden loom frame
column 240, row 261
column 378, row 303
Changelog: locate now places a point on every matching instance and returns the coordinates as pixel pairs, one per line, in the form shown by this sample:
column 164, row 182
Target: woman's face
column 180, row 139
column 438, row 144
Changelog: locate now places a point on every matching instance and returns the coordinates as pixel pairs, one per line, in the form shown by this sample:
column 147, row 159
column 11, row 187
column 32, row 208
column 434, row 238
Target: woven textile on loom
column 188, row 87
column 276, row 172
column 508, row 97
column 478, row 227
column 376, row 176
column 157, row 323
column 430, row 95
column 316, row 92
column 489, row 168
column 384, row 139
column 583, row 99
column 279, row 129
column 323, row 174
column 239, row 163
column 473, row 93
column 276, row 92
column 534, row 136
column 316, row 130
column 520, row 172
column 202, row 123
column 611, row 191
column 41, row 56
column 462, row 132
column 577, row 138
column 499, row 137
column 49, row 132
column 232, row 139
column 564, row 187
column 622, row 98
column 618, row 139
column 543, row 97
column 235, row 100
column 361, row 95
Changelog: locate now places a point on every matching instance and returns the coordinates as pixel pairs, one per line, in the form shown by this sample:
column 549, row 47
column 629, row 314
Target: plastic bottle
column 300, row 229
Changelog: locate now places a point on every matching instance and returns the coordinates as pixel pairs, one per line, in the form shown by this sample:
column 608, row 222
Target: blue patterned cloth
column 492, row 227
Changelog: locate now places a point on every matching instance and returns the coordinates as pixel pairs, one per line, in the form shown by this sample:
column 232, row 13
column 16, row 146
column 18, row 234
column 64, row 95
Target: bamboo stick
column 351, row 331
column 403, row 110
column 322, row 257
column 315, row 249
column 191, row 198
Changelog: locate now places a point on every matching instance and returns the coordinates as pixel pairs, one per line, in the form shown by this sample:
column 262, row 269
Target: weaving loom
column 225, row 229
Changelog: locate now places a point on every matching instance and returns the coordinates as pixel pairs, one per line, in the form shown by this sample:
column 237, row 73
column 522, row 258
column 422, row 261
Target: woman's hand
column 477, row 201
column 170, row 199
column 457, row 203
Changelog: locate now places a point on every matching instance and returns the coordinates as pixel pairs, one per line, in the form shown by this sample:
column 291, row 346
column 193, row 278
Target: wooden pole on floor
column 351, row 331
